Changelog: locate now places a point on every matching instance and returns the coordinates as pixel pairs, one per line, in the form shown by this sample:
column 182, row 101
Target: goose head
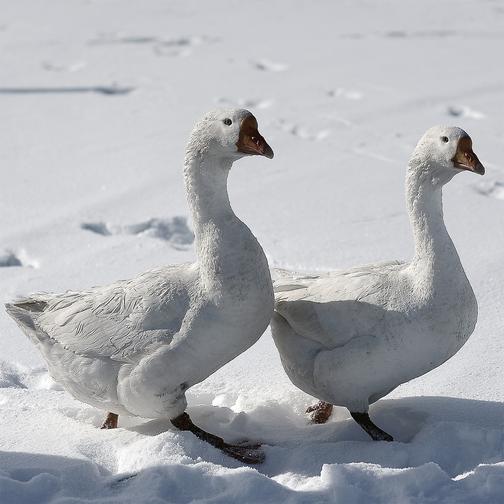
column 443, row 152
column 230, row 134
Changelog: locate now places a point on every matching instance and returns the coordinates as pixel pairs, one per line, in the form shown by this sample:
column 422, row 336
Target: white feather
column 134, row 347
column 350, row 337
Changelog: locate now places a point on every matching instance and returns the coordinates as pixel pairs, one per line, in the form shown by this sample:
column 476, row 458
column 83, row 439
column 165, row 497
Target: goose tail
column 25, row 313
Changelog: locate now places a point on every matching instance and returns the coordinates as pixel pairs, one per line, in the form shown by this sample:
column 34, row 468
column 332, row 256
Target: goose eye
column 227, row 122
column 445, row 139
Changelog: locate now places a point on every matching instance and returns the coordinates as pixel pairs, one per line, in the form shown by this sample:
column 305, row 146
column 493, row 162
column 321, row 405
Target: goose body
column 135, row 347
column 350, row 337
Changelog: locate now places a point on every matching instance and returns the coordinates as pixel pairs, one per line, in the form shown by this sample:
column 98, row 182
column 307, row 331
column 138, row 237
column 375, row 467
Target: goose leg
column 110, row 422
column 320, row 412
column 245, row 454
column 374, row 431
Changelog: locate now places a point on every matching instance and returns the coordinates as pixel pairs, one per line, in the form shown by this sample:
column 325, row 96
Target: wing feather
column 333, row 307
column 123, row 319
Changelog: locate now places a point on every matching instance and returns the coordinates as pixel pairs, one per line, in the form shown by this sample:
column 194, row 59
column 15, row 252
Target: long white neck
column 206, row 186
column 227, row 251
column 435, row 253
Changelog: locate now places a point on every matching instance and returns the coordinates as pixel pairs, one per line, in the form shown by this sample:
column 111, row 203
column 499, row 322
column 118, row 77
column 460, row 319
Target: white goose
column 135, row 347
column 350, row 337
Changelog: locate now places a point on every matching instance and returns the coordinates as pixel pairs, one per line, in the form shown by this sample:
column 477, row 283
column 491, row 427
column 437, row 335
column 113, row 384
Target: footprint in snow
column 174, row 230
column 269, row 66
column 492, row 188
column 246, row 103
column 178, row 46
column 421, row 34
column 464, row 111
column 60, row 67
column 302, row 132
column 8, row 259
column 348, row 94
column 117, row 38
column 104, row 90
column 181, row 46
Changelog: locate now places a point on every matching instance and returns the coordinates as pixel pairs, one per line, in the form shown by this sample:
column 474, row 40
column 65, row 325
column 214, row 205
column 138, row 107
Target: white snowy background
column 97, row 98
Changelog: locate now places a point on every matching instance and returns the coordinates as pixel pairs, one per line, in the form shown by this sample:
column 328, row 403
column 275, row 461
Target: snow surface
column 97, row 100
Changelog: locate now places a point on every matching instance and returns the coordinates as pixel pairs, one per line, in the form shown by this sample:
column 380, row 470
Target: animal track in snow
column 433, row 34
column 114, row 38
column 174, row 230
column 8, row 258
column 178, row 46
column 269, row 66
column 60, row 67
column 348, row 94
column 421, row 34
column 105, row 90
column 464, row 111
column 424, row 34
column 245, row 103
column 493, row 188
column 301, row 132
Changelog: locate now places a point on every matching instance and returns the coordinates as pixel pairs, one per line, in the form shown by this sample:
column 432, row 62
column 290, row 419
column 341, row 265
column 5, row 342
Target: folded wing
column 118, row 321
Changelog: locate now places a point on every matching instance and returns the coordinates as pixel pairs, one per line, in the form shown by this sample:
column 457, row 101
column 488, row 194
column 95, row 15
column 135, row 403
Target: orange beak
column 250, row 140
column 465, row 159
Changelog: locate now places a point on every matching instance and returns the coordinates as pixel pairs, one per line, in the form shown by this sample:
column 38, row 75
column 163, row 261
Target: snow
column 98, row 99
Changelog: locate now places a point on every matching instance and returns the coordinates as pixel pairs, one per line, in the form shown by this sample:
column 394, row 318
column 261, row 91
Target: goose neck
column 206, row 186
column 433, row 244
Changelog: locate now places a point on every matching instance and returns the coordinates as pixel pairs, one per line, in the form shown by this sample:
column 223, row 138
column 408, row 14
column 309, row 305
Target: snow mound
column 448, row 450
